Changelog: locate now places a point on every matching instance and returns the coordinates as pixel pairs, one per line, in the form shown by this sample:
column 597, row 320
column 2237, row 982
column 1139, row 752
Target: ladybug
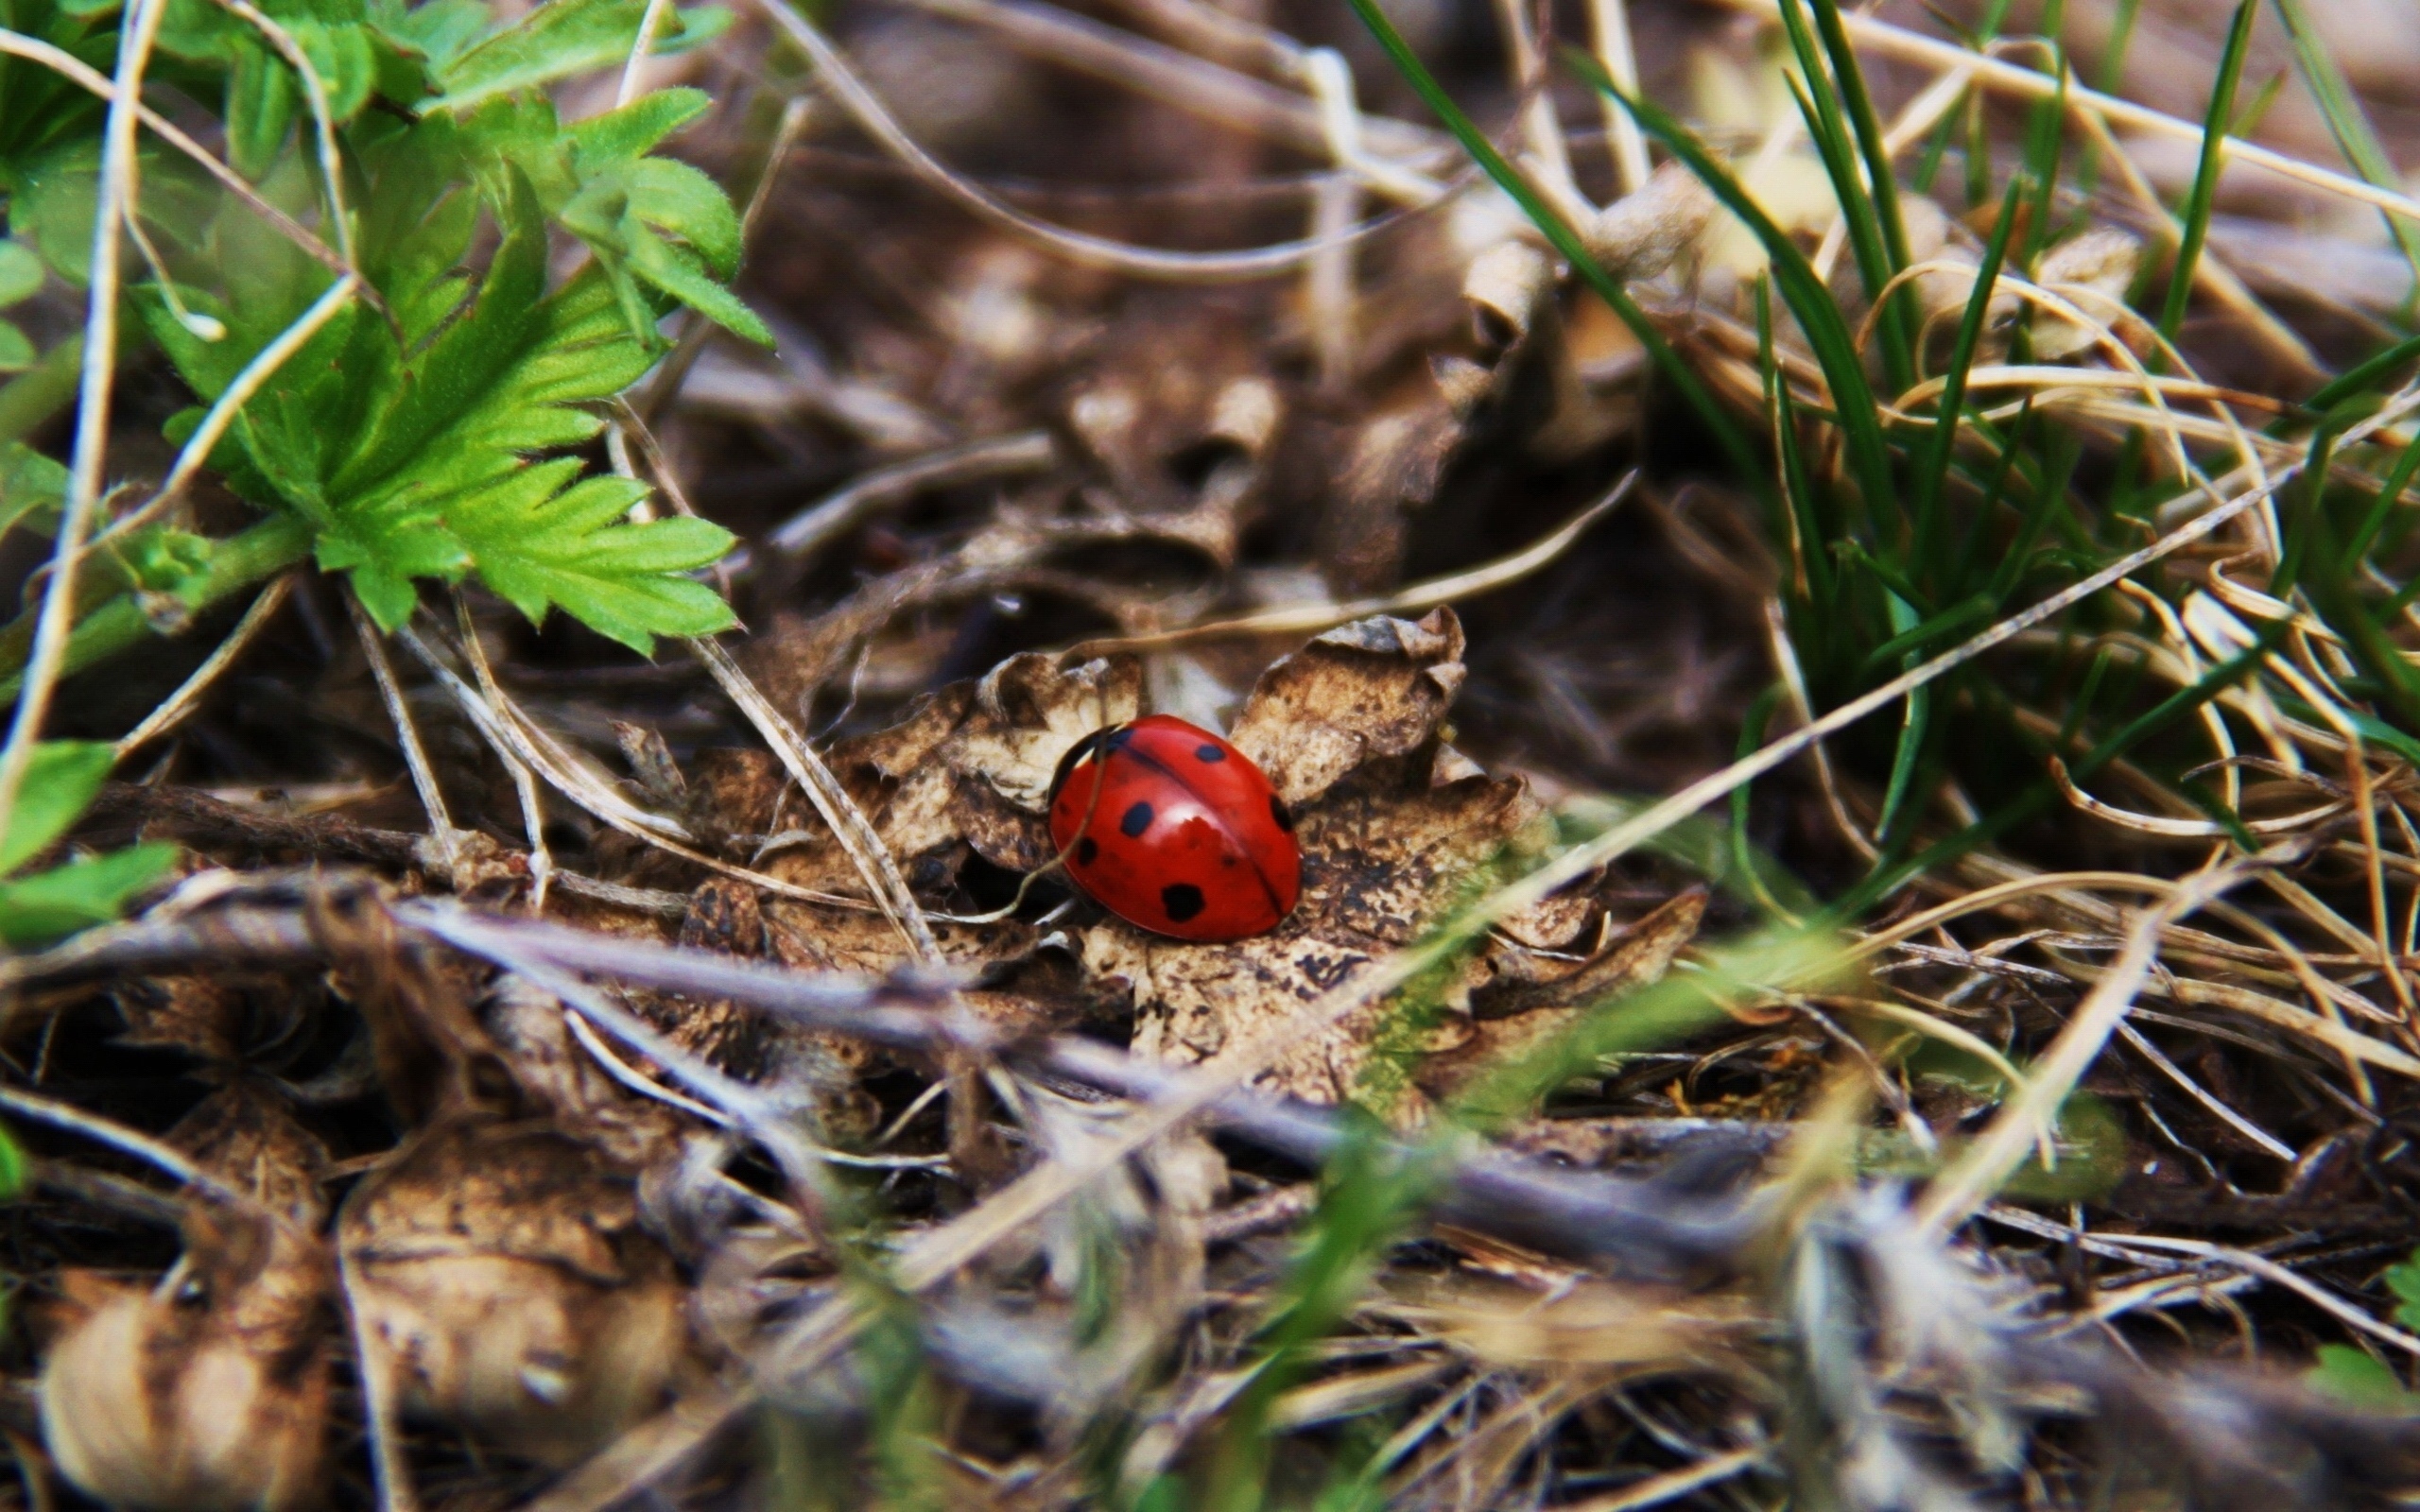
column 1171, row 828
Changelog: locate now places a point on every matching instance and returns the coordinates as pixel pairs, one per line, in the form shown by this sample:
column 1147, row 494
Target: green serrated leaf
column 17, row 351
column 438, row 33
column 342, row 55
column 53, row 206
column 21, row 273
column 674, row 271
column 59, row 785
column 38, row 909
column 575, row 549
column 410, row 461
column 679, row 199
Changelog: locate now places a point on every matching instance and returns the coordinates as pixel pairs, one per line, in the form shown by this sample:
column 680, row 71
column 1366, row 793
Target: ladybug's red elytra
column 1171, row 829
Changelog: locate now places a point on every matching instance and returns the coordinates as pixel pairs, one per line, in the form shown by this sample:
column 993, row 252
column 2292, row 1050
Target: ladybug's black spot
column 1183, row 899
column 1278, row 812
column 1134, row 821
column 1087, row 850
column 1205, row 751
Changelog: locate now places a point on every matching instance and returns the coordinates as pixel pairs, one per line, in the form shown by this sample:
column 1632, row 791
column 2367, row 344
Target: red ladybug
column 1169, row 827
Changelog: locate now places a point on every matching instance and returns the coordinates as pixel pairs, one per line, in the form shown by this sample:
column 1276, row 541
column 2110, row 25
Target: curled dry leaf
column 206, row 1391
column 1524, row 1006
column 2093, row 272
column 1643, row 233
column 1392, row 461
column 500, row 1283
column 1372, row 689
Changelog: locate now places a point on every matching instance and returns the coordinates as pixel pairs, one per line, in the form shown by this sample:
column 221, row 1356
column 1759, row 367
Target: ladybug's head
column 1101, row 741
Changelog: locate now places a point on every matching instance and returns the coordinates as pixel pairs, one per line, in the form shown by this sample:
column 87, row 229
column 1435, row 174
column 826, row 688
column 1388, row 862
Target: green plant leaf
column 12, row 1167
column 32, row 487
column 21, row 273
column 630, row 132
column 559, row 39
column 538, row 544
column 2358, row 1377
column 38, row 909
column 2404, row 1281
column 261, row 99
column 17, row 351
column 410, row 461
column 59, row 785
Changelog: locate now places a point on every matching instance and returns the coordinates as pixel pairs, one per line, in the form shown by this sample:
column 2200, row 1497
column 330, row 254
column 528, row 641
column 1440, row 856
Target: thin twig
column 867, row 109
column 57, row 620
column 849, row 824
column 1416, row 598
column 174, row 709
column 2002, row 1147
column 844, row 510
column 432, row 799
column 78, row 72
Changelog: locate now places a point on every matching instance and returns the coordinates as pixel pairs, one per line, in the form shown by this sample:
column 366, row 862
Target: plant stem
column 235, row 565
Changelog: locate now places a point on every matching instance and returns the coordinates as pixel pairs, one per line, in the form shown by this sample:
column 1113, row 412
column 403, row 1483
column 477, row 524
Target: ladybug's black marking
column 1134, row 821
column 1278, row 812
column 1087, row 850
column 1208, row 753
column 1183, row 899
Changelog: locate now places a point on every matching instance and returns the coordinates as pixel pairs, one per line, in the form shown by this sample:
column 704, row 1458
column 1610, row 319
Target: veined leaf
column 410, row 460
column 538, row 547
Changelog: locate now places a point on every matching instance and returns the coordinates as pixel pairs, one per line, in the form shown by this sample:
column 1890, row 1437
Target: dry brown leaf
column 500, row 1279
column 1374, row 688
column 1511, row 1016
column 245, row 1135
column 208, row 1391
column 1589, row 1322
column 1392, row 463
column 559, row 1074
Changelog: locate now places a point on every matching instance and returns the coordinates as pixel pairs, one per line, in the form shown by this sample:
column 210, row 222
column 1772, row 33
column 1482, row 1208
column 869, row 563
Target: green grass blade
column 1807, row 534
column 1934, row 466
column 1821, row 101
column 1915, row 723
column 2348, row 122
column 1881, row 185
column 2205, row 177
column 1565, row 239
column 2363, row 377
column 2389, row 494
column 1827, row 331
column 2045, row 136
column 2121, row 37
